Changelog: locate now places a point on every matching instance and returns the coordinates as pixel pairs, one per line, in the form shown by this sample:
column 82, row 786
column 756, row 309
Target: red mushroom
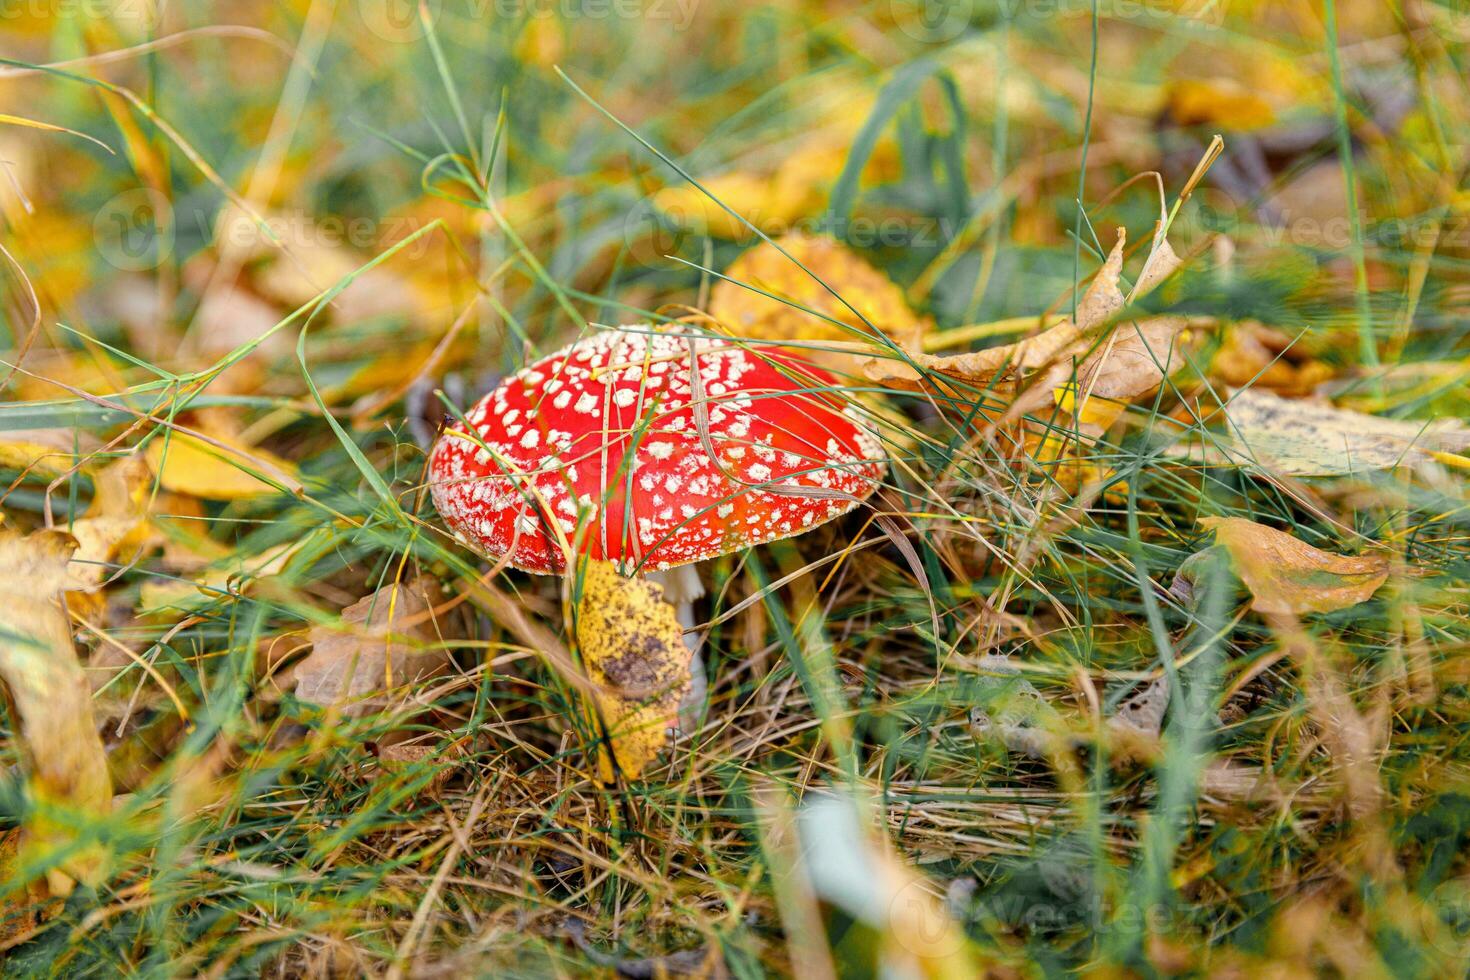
column 615, row 448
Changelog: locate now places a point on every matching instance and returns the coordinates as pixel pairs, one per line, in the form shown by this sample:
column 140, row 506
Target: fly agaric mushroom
column 655, row 450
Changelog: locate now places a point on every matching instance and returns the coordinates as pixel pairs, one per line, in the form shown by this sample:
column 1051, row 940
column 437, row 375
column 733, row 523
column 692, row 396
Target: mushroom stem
column 682, row 588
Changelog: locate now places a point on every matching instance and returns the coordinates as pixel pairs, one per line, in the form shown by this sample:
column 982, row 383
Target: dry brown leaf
column 635, row 656
column 387, row 642
column 1286, row 575
column 52, row 702
column 1135, row 360
column 741, row 306
column 1047, row 349
column 1252, row 354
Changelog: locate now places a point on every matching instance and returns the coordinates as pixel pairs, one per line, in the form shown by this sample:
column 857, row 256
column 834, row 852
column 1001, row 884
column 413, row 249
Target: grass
column 499, row 172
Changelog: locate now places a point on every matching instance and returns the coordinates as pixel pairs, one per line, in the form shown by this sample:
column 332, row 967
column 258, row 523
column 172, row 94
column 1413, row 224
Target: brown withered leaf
column 1254, row 355
column 387, row 641
column 52, row 701
column 635, row 656
column 740, row 304
column 1135, row 359
column 1285, row 575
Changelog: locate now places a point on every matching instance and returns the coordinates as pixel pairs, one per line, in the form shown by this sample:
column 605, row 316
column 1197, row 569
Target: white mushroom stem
column 682, row 588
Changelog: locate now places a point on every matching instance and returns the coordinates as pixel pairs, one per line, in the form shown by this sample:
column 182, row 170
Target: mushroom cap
column 598, row 446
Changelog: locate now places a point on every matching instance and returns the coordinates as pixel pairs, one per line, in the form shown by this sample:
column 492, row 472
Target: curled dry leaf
column 387, row 641
column 1257, row 356
column 1285, row 575
column 740, row 302
column 1302, row 438
column 1133, row 361
column 635, row 656
column 52, row 701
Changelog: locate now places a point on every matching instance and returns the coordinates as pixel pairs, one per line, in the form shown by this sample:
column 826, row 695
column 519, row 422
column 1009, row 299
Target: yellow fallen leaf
column 741, row 306
column 769, row 204
column 635, row 656
column 225, row 573
column 114, row 526
column 387, row 641
column 1222, row 103
column 1286, row 575
column 44, row 451
column 227, row 471
column 68, row 780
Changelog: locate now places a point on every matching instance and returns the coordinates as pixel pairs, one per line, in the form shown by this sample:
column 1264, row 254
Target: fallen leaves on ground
column 1135, row 360
column 1285, row 574
column 68, row 779
column 1304, row 438
column 635, row 656
column 740, row 304
column 1252, row 354
column 386, row 642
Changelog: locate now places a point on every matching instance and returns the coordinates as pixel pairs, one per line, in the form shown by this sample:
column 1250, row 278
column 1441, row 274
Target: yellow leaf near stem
column 634, row 652
column 1286, row 575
